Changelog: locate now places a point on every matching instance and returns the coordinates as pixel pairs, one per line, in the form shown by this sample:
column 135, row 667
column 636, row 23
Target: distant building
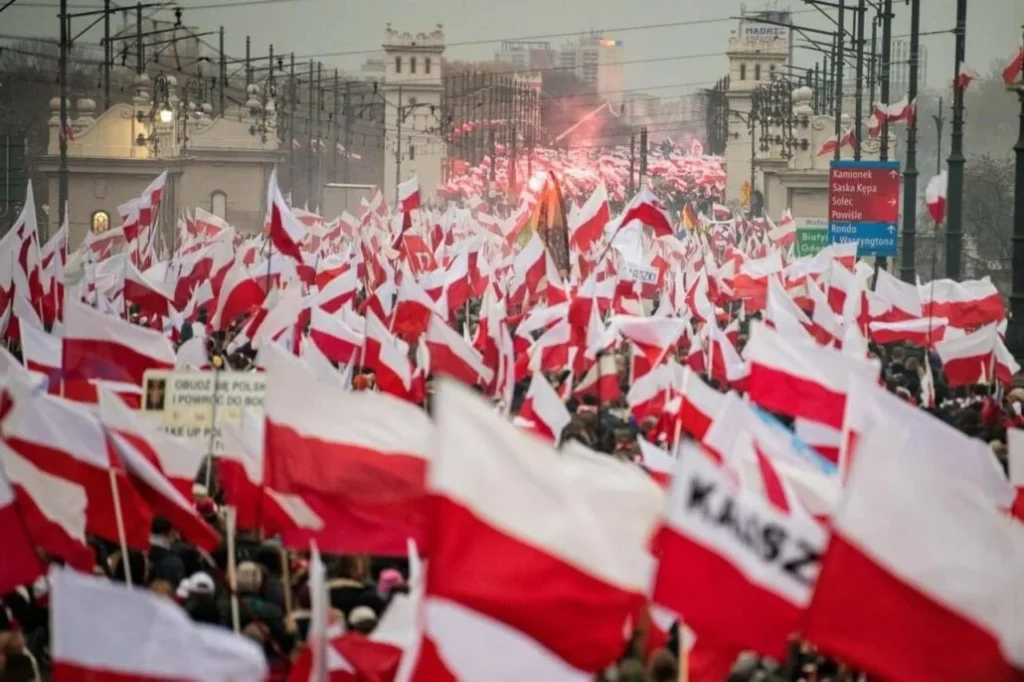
column 527, row 55
column 597, row 61
column 641, row 108
column 412, row 90
column 899, row 71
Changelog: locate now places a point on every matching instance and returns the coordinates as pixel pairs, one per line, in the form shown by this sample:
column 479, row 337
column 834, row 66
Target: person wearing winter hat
column 362, row 619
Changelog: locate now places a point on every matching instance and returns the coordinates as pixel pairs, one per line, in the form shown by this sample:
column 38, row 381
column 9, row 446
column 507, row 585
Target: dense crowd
column 272, row 588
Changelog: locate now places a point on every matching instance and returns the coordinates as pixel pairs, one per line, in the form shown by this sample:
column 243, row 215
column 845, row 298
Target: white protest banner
column 640, row 273
column 194, row 405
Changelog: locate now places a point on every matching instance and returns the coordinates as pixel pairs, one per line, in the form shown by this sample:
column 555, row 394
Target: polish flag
column 658, row 463
column 413, row 308
column 395, row 374
column 68, row 442
column 240, row 294
column 1006, row 367
column 968, row 359
column 1015, row 67
column 588, row 225
column 654, row 336
column 709, row 570
column 946, row 448
column 149, row 200
column 903, row 298
column 409, row 195
column 827, row 327
column 924, row 332
column 649, row 210
column 726, row 365
column 41, row 353
column 967, row 304
column 104, row 631
column 157, row 490
column 938, row 562
column 528, row 269
column 376, row 337
column 101, row 346
column 699, row 406
column 336, row 340
column 40, row 511
column 935, row 196
column 965, row 78
column 147, row 295
column 544, row 410
column 451, row 354
column 240, row 472
column 496, row 490
column 177, row 460
column 828, row 146
column 358, row 460
column 784, row 234
column 601, row 381
column 286, row 232
column 648, row 395
column 335, row 293
column 801, row 379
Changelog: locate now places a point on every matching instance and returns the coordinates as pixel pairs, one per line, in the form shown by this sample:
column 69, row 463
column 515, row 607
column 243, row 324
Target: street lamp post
column 955, row 207
column 1016, row 326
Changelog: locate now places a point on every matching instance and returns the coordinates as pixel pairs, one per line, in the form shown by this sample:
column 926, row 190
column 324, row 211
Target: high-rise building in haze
column 527, row 55
column 597, row 61
column 899, row 71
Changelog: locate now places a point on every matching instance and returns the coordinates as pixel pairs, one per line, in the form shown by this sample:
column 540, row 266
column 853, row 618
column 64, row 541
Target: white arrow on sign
column 892, row 229
column 892, row 202
column 894, row 174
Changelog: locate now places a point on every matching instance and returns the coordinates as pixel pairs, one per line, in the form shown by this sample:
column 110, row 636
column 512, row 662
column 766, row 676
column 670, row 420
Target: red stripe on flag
column 851, row 623
column 488, row 571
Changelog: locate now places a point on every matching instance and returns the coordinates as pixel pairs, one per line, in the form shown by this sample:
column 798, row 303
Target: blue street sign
column 873, row 239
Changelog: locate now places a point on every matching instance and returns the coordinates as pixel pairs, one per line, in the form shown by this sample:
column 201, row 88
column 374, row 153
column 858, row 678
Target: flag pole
column 119, row 518
column 231, row 522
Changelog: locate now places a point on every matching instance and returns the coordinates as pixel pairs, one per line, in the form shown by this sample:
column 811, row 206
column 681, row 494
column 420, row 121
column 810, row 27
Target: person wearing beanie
column 362, row 619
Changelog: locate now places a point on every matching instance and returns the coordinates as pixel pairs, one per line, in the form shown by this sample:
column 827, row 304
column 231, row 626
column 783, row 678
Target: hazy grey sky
column 329, row 26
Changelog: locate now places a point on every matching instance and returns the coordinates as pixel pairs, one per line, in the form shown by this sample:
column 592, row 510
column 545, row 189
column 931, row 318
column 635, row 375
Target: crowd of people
column 259, row 585
column 272, row 581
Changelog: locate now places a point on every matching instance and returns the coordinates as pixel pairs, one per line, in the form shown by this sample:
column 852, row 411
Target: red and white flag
column 545, row 597
column 543, row 409
column 39, row 511
column 944, row 447
column 699, row 406
column 334, row 338
column 967, row 304
column 105, row 631
column 451, row 354
column 968, row 359
column 286, row 232
column 66, row 441
column 935, row 197
column 923, row 331
column 149, row 296
column 710, row 571
column 101, row 346
column 649, row 210
column 800, row 379
column 358, row 460
column 939, row 557
column 587, row 226
column 409, row 195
